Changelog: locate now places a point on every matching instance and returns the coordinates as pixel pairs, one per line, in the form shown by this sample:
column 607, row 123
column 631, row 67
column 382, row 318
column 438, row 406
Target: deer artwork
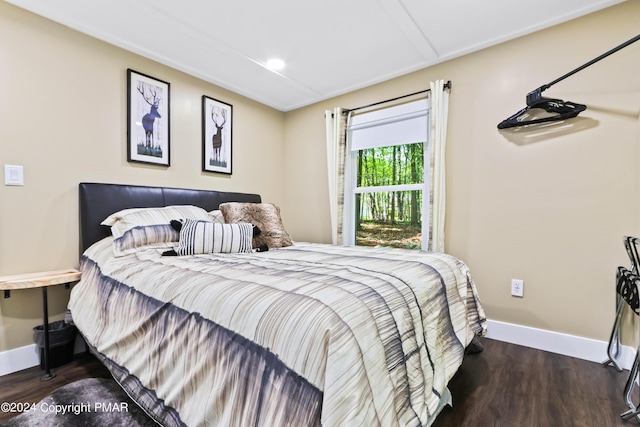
column 216, row 140
column 149, row 118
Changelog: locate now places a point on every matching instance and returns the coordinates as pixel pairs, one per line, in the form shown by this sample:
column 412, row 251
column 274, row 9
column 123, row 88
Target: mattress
column 310, row 334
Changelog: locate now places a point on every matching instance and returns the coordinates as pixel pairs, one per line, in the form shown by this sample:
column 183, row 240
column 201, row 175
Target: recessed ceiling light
column 275, row 64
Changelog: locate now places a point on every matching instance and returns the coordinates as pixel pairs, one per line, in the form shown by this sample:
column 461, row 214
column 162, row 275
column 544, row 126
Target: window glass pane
column 399, row 164
column 392, row 218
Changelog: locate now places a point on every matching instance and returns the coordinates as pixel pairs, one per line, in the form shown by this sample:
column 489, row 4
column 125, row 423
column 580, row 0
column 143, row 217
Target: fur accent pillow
column 204, row 237
column 266, row 216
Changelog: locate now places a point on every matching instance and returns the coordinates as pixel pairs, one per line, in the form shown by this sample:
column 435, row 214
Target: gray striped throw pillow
column 204, row 237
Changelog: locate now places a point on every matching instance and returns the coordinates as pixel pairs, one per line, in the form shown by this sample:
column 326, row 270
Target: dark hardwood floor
column 509, row 385
column 504, row 386
column 25, row 386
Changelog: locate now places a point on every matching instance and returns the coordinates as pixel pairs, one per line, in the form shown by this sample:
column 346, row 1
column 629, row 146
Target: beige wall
column 547, row 209
column 550, row 209
column 63, row 117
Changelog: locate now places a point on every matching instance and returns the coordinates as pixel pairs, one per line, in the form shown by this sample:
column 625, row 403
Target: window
column 386, row 177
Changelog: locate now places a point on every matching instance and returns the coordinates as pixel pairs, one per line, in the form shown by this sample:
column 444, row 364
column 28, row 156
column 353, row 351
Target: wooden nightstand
column 42, row 280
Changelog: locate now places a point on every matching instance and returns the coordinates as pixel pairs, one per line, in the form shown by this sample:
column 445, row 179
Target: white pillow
column 128, row 218
column 144, row 228
column 216, row 216
column 159, row 236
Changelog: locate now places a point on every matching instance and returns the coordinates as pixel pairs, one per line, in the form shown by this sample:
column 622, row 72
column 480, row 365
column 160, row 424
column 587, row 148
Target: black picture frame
column 148, row 119
column 217, row 136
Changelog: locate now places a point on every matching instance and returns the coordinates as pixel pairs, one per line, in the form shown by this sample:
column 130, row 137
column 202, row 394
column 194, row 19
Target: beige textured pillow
column 265, row 216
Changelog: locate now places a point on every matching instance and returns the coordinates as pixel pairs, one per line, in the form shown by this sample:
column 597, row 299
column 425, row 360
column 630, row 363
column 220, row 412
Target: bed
column 301, row 334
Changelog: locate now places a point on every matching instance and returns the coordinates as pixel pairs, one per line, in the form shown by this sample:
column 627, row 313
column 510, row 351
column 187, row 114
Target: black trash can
column 62, row 338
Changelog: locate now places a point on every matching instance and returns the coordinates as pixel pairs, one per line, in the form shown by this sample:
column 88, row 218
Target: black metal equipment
column 559, row 109
column 627, row 293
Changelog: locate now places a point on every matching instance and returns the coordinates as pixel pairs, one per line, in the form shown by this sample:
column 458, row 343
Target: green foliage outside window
column 390, row 218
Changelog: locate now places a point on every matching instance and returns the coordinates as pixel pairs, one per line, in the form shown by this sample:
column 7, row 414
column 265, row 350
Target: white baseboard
column 555, row 342
column 28, row 356
column 18, row 359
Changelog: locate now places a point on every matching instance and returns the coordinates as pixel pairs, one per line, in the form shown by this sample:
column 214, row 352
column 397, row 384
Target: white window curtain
column 336, row 131
column 438, row 128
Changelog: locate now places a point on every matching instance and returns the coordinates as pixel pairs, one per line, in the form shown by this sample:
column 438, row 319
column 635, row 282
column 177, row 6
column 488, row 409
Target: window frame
column 351, row 188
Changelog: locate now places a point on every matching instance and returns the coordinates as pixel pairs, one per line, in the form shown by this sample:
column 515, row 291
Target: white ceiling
column 330, row 47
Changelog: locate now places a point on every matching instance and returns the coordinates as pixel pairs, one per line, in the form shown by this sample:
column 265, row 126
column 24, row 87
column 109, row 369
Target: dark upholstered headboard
column 98, row 201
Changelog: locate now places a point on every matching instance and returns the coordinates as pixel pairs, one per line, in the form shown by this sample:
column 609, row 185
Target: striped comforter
column 306, row 335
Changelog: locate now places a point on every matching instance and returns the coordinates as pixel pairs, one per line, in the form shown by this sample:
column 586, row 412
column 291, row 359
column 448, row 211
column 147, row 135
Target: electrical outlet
column 517, row 287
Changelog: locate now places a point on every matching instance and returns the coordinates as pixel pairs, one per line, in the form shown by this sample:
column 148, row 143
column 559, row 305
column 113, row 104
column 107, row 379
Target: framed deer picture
column 217, row 144
column 147, row 119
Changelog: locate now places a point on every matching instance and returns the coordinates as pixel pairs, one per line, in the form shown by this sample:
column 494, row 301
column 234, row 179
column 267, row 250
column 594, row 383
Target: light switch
column 13, row 175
